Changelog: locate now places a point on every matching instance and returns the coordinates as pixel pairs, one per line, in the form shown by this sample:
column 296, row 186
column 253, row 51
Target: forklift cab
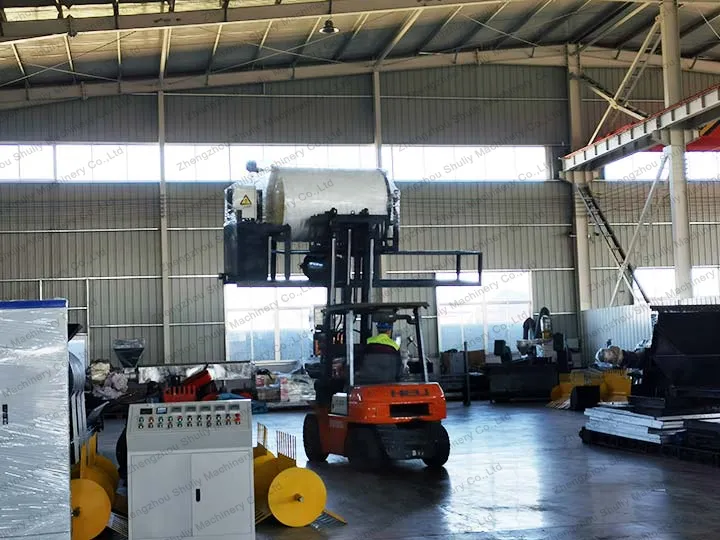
column 347, row 360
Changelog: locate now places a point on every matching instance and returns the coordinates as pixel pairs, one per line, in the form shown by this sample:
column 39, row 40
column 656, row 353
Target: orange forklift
column 363, row 410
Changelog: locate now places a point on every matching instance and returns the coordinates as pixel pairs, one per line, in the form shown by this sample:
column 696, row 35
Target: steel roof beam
column 599, row 22
column 634, row 33
column 549, row 28
column 19, row 30
column 525, row 19
column 167, row 36
column 356, row 30
column 438, row 30
column 704, row 48
column 404, row 29
column 481, row 25
column 700, row 23
column 69, row 56
column 617, row 24
column 549, row 56
column 308, row 39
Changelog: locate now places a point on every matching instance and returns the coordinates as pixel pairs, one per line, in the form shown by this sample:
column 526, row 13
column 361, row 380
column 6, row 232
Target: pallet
column 677, row 451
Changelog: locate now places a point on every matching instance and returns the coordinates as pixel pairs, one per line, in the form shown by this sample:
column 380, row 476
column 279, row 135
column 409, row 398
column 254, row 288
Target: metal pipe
column 349, row 341
column 333, row 256
column 421, row 343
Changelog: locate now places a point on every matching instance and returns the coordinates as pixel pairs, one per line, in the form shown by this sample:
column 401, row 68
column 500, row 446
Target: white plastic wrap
column 294, row 195
column 34, row 430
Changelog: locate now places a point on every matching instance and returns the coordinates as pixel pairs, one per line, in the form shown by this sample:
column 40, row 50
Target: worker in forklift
column 383, row 341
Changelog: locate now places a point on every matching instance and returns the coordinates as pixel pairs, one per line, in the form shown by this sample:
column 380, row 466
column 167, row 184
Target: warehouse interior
column 550, row 171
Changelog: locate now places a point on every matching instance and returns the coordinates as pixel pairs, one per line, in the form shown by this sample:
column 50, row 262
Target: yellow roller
column 91, row 471
column 91, row 509
column 297, row 497
column 101, row 462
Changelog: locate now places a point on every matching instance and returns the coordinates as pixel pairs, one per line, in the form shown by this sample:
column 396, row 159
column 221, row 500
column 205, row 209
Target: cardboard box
column 453, row 363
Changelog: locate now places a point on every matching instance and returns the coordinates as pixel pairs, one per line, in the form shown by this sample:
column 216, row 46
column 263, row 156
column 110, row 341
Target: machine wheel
column 438, row 437
column 311, row 439
column 363, row 448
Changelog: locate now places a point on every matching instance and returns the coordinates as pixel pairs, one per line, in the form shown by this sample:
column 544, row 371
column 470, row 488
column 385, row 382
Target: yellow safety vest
column 383, row 339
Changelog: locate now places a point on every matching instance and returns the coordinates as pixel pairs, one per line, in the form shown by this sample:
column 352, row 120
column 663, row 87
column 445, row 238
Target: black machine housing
column 681, row 368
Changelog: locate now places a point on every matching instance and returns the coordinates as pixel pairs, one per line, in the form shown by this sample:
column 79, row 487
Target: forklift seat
column 379, row 368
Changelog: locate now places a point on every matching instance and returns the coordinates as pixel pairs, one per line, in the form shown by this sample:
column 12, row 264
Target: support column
column 164, row 246
column 672, row 79
column 582, row 240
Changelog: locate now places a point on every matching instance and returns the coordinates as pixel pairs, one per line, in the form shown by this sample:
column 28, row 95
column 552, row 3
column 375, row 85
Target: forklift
column 363, row 410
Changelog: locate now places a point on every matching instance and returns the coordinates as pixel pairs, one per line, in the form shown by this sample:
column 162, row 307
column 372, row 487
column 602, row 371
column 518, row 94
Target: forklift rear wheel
column 363, row 448
column 440, row 440
column 311, row 439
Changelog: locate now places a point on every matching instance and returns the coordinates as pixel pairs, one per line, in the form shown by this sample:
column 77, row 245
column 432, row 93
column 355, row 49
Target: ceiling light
column 329, row 28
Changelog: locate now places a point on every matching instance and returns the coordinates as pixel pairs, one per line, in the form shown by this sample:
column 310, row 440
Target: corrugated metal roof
column 290, row 41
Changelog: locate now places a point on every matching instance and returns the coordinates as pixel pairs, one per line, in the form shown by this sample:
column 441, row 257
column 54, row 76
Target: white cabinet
column 190, row 471
column 161, row 507
column 223, row 494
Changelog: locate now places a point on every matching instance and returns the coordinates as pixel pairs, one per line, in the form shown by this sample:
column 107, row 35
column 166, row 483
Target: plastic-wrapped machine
column 294, row 195
column 34, row 430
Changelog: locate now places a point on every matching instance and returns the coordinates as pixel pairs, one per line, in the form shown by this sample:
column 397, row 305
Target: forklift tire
column 440, row 440
column 363, row 448
column 311, row 439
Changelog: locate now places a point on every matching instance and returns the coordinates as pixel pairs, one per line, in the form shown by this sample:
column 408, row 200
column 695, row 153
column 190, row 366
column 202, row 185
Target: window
column 107, row 162
column 481, row 314
column 26, row 162
column 270, row 323
column 466, row 163
column 143, row 162
column 192, row 163
column 309, row 155
column 645, row 165
column 36, row 162
column 659, row 283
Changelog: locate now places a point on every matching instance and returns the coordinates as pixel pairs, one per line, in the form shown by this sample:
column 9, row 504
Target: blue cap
column 384, row 326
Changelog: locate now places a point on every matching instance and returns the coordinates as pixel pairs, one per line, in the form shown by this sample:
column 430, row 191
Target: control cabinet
column 190, row 471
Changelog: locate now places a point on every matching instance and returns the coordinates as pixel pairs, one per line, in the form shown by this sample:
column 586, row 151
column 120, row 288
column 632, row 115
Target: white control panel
column 188, row 416
column 190, row 471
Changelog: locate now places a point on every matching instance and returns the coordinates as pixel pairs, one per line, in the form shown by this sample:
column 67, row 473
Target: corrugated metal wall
column 98, row 245
column 622, row 203
column 106, row 119
column 517, row 226
column 475, row 105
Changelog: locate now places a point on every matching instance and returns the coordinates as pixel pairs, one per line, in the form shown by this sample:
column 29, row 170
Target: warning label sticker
column 246, row 201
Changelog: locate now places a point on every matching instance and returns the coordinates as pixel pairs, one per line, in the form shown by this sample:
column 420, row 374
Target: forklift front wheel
column 311, row 439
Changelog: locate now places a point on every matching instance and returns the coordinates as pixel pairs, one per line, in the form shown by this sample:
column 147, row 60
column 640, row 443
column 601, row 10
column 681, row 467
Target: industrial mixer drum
column 294, row 195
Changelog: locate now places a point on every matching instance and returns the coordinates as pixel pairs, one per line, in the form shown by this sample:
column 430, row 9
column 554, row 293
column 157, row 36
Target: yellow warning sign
column 246, row 201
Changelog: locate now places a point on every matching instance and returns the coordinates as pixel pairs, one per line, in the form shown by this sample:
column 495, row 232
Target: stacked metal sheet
column 623, row 422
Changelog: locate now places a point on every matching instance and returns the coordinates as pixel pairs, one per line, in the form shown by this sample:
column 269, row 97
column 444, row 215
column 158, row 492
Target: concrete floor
column 516, row 472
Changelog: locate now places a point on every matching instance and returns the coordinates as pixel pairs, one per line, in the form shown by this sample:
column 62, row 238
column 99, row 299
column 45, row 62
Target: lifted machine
column 350, row 223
